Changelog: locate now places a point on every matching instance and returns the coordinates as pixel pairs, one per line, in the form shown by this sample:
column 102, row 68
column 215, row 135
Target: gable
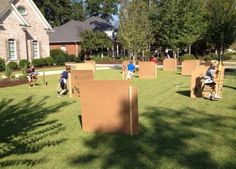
column 4, row 6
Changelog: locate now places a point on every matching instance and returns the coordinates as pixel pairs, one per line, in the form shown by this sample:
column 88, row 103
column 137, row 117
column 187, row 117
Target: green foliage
column 95, row 41
column 56, row 52
column 8, row 72
column 134, row 29
column 103, row 8
column 60, row 11
column 2, row 64
column 49, row 61
column 24, row 63
column 187, row 57
column 12, row 65
column 211, row 56
column 221, row 17
column 23, row 71
column 59, row 56
column 39, row 62
column 178, row 23
column 60, row 60
column 228, row 55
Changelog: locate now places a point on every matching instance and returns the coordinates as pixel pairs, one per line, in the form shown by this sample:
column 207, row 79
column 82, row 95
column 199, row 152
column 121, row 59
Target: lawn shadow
column 184, row 92
column 80, row 120
column 164, row 142
column 25, row 130
column 231, row 87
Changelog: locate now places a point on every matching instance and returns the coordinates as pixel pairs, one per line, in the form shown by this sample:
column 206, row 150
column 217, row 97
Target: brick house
column 24, row 32
column 67, row 37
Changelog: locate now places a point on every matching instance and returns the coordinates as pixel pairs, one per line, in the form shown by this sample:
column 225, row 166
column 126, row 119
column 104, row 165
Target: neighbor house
column 67, row 37
column 24, row 32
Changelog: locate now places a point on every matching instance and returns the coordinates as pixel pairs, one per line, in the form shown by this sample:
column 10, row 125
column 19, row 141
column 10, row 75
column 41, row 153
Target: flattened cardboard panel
column 93, row 63
column 170, row 64
column 82, row 66
column 124, row 69
column 75, row 77
column 197, row 81
column 105, row 106
column 134, row 110
column 147, row 70
column 189, row 65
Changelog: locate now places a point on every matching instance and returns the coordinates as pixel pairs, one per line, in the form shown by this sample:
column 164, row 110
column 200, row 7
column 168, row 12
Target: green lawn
column 41, row 131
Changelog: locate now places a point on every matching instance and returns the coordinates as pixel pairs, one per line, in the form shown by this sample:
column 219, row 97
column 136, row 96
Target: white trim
column 41, row 17
column 9, row 58
column 19, row 16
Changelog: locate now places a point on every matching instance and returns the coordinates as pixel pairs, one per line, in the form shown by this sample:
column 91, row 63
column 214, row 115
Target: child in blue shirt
column 131, row 70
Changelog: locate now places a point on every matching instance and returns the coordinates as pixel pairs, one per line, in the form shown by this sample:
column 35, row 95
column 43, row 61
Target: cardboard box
column 109, row 106
column 147, row 70
column 170, row 64
column 188, row 66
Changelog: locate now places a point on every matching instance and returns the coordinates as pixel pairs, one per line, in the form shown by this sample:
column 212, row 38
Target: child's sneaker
column 217, row 96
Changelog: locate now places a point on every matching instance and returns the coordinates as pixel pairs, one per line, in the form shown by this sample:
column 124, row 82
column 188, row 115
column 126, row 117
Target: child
column 63, row 83
column 209, row 79
column 131, row 70
column 31, row 76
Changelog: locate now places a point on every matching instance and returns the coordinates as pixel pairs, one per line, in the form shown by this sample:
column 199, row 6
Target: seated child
column 209, row 79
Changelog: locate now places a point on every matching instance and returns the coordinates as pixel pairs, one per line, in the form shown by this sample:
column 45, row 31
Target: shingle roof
column 70, row 31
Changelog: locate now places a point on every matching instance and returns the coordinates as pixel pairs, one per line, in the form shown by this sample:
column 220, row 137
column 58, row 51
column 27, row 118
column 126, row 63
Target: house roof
column 70, row 31
column 5, row 5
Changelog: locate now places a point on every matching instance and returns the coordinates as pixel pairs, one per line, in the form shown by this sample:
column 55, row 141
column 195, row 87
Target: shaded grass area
column 39, row 130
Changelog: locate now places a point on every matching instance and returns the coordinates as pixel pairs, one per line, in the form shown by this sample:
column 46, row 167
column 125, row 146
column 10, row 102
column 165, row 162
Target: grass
column 39, row 130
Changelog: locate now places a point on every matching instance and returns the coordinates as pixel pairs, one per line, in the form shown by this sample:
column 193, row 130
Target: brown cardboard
column 147, row 70
column 124, row 68
column 198, row 89
column 188, row 66
column 75, row 76
column 170, row 64
column 109, row 106
column 93, row 63
column 197, row 78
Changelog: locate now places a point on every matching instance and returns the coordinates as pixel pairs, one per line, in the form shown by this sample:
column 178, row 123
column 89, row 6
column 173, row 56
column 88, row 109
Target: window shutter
column 31, row 50
column 18, row 49
column 7, row 50
column 40, row 50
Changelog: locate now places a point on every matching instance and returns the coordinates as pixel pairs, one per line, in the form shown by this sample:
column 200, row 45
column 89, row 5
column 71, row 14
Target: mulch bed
column 12, row 82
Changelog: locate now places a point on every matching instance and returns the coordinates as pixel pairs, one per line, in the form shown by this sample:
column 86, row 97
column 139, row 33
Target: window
column 35, row 47
column 21, row 9
column 12, row 49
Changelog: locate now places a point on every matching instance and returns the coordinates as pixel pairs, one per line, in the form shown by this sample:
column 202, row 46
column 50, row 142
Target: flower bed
column 12, row 82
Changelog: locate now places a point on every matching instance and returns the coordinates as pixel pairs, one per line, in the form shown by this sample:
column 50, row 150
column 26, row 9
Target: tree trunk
column 189, row 49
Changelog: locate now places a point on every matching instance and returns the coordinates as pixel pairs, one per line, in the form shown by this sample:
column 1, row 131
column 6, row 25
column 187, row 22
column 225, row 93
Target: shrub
column 211, row 56
column 12, row 65
column 2, row 65
column 49, row 61
column 60, row 60
column 228, row 55
column 39, row 62
column 70, row 58
column 8, row 72
column 24, row 63
column 23, row 71
column 187, row 57
column 78, row 59
column 59, row 56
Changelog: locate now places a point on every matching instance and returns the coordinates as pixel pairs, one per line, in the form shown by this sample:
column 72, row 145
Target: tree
column 95, row 41
column 134, row 28
column 222, row 23
column 59, row 12
column 103, row 8
column 178, row 23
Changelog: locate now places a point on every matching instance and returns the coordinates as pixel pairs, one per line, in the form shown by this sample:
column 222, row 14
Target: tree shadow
column 167, row 139
column 25, row 130
column 231, row 87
